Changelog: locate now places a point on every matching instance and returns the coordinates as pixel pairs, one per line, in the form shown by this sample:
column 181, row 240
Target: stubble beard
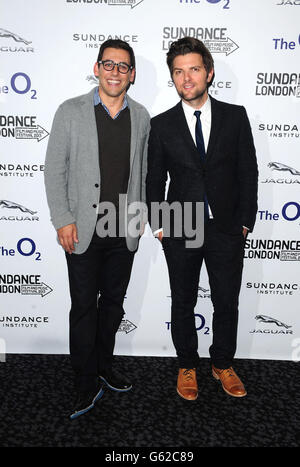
column 197, row 96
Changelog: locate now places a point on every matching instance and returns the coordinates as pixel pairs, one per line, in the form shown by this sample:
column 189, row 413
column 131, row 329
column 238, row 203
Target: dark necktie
column 201, row 149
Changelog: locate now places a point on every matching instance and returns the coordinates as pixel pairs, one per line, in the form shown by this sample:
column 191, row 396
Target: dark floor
column 37, row 395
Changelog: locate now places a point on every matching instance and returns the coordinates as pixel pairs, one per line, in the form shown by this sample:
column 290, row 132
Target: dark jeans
column 104, row 268
column 223, row 256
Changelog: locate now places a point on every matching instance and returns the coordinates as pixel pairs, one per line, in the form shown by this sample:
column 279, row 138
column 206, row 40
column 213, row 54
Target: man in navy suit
column 206, row 148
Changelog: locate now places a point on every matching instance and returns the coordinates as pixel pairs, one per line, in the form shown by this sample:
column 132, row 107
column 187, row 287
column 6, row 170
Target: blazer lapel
column 134, row 119
column 216, row 124
column 181, row 128
column 90, row 125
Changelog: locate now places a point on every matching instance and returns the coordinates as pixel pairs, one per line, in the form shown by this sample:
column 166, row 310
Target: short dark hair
column 188, row 45
column 117, row 44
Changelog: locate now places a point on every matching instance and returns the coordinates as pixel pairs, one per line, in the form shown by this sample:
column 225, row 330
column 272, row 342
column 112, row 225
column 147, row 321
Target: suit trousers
column 223, row 256
column 98, row 280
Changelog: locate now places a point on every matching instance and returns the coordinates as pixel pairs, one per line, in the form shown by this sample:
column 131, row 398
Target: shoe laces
column 228, row 372
column 188, row 373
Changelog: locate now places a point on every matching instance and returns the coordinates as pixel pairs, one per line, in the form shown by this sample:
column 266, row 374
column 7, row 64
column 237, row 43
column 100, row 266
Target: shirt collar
column 97, row 100
column 189, row 110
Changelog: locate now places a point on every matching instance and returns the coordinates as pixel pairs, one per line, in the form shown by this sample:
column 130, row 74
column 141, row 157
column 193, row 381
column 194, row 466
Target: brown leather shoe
column 187, row 386
column 231, row 383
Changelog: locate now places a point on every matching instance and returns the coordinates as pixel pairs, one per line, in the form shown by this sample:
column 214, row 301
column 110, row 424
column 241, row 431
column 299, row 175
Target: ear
column 96, row 69
column 210, row 75
column 132, row 76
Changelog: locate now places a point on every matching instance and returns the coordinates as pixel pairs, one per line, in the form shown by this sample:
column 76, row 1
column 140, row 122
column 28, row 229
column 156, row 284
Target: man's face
column 113, row 83
column 191, row 78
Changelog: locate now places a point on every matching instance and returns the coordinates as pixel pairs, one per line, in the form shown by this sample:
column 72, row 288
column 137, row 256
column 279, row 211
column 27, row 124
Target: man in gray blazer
column 94, row 172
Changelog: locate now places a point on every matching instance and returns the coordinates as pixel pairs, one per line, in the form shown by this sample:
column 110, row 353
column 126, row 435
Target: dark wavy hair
column 187, row 45
column 117, row 44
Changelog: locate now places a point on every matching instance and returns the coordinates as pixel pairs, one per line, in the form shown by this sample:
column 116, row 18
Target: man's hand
column 67, row 236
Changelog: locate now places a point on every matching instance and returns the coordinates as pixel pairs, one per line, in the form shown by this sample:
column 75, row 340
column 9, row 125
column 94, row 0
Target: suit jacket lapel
column 181, row 128
column 216, row 123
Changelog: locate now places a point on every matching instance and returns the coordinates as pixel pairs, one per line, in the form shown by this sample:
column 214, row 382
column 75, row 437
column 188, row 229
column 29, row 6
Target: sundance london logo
column 131, row 3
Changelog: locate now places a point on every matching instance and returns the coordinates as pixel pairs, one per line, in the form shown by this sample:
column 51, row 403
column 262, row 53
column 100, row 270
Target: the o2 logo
column 25, row 247
column 291, row 211
column 21, row 84
column 225, row 7
column 200, row 324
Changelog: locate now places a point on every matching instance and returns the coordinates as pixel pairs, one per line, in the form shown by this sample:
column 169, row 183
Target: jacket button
column 94, row 205
column 96, row 185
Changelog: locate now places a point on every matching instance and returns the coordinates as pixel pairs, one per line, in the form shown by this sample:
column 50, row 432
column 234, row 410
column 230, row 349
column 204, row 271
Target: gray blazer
column 72, row 173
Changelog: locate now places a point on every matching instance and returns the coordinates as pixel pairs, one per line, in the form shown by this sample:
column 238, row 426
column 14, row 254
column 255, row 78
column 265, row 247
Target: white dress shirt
column 205, row 118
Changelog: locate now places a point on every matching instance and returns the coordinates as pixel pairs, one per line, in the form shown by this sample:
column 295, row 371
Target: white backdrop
column 47, row 52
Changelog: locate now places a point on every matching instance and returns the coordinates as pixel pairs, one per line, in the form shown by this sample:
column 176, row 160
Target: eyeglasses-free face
column 191, row 78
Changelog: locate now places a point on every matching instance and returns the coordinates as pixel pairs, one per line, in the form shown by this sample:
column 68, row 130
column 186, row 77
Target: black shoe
column 115, row 381
column 85, row 401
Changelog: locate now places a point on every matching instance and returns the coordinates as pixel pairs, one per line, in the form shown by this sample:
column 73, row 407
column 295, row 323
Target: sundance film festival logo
column 24, row 284
column 215, row 39
column 131, row 3
column 290, row 175
column 126, row 326
column 282, row 250
column 29, row 214
column 278, row 84
column 277, row 327
column 21, row 127
column 11, row 37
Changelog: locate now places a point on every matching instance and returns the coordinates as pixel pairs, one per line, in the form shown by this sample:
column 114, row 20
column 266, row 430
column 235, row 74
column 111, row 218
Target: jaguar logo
column 92, row 79
column 283, row 168
column 268, row 319
column 12, row 205
column 12, row 35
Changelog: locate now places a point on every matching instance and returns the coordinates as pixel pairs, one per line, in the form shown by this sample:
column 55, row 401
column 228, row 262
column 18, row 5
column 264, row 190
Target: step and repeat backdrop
column 47, row 52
